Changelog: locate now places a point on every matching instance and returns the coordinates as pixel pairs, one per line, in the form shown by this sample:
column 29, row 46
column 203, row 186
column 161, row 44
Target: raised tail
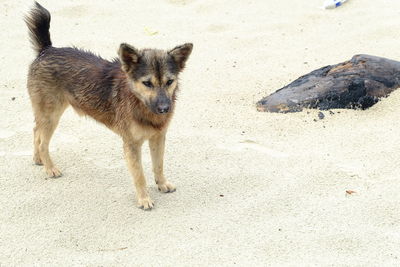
column 38, row 22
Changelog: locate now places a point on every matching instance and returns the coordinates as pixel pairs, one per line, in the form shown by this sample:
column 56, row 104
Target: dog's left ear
column 180, row 54
column 129, row 57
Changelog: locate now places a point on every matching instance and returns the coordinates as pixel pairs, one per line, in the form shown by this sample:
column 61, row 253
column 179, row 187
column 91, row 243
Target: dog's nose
column 163, row 108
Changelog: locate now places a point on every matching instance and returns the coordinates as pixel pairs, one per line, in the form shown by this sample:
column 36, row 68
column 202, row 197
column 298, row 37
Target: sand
column 252, row 188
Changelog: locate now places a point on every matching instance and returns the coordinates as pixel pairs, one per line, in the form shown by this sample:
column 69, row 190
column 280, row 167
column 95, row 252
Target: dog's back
column 80, row 78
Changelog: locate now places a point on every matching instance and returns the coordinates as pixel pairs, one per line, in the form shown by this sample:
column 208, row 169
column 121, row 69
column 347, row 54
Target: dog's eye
column 148, row 84
column 169, row 82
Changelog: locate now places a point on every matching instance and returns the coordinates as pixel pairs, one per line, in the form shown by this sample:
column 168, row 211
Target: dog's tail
column 38, row 22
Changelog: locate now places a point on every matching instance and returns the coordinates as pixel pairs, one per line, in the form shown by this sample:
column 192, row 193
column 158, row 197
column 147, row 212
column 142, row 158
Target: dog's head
column 153, row 74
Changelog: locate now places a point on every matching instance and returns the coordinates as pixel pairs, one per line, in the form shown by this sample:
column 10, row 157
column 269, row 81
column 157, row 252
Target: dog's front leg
column 157, row 144
column 133, row 153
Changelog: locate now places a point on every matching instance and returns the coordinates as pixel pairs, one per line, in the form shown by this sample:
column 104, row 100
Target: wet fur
column 111, row 92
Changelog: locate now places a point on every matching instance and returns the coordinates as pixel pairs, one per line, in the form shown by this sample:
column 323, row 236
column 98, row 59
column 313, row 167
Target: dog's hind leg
column 47, row 115
column 36, row 142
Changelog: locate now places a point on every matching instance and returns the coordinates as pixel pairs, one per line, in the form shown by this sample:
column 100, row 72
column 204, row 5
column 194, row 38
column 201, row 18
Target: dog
column 133, row 95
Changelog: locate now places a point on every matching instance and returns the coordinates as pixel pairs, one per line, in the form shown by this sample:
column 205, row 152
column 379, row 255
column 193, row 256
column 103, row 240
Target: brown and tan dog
column 134, row 96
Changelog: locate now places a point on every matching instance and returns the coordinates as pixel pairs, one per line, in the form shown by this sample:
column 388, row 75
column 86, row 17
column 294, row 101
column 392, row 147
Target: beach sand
column 252, row 188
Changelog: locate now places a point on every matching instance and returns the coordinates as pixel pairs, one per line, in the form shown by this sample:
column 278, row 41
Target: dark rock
column 357, row 84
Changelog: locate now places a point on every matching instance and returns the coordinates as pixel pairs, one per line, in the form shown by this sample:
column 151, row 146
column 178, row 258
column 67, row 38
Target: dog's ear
column 180, row 54
column 129, row 57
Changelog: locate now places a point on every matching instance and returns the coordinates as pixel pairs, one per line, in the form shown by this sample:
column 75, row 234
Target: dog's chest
column 142, row 132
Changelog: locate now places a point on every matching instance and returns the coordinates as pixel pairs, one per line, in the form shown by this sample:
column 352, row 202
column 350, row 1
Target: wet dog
column 133, row 95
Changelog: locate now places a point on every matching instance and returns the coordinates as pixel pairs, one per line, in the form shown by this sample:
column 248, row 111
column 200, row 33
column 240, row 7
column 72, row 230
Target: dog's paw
column 145, row 203
column 53, row 172
column 166, row 187
column 37, row 160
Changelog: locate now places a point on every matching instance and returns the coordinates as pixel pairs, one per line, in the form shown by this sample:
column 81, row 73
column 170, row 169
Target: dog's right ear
column 129, row 57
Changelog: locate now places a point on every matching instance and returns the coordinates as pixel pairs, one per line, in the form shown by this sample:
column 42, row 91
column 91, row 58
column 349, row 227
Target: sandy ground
column 253, row 188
